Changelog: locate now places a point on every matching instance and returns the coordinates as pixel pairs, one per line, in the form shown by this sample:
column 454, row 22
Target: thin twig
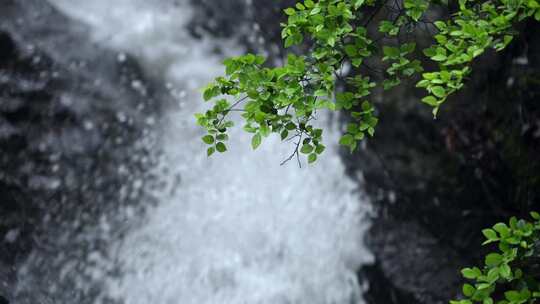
column 295, row 152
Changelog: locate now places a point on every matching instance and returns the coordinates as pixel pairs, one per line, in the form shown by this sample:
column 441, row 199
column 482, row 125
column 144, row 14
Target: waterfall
column 237, row 227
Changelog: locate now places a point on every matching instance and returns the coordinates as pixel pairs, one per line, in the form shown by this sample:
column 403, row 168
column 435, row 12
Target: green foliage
column 286, row 99
column 508, row 275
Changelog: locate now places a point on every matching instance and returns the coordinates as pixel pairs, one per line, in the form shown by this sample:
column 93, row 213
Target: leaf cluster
column 285, row 100
column 508, row 274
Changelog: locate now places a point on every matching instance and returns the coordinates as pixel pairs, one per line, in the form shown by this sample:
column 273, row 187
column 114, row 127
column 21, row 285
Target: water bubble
column 12, row 235
column 121, row 57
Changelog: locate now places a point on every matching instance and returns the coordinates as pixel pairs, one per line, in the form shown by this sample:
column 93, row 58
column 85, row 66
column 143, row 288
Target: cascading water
column 238, row 228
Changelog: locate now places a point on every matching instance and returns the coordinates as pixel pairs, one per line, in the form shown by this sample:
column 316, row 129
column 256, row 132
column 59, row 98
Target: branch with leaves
column 510, row 274
column 286, row 99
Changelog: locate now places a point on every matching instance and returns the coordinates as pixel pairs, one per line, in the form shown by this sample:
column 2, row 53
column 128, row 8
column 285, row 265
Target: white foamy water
column 239, row 228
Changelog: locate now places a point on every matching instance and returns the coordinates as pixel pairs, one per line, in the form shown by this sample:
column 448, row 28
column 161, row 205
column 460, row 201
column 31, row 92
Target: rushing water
column 238, row 227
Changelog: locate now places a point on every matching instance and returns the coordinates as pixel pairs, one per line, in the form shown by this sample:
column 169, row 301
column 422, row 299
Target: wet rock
column 406, row 256
column 222, row 19
column 255, row 24
column 381, row 288
column 7, row 48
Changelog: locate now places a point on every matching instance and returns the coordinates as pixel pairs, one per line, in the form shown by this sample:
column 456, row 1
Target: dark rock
column 406, row 255
column 7, row 48
column 381, row 289
column 255, row 25
column 221, row 19
column 3, row 300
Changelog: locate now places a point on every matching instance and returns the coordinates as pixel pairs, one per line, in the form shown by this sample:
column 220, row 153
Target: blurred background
column 107, row 196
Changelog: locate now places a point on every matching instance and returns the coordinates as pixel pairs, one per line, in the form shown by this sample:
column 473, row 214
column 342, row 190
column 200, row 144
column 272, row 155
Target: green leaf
column 490, row 234
column 312, row 157
column 320, row 148
column 290, row 126
column 306, row 149
column 256, row 141
column 391, row 52
column 505, row 271
column 315, row 10
column 366, row 106
column 289, row 41
column 440, row 25
column 208, row 139
column 407, row 48
column 483, row 286
column 468, row 290
column 438, row 91
column 390, row 83
column 430, row 100
column 356, row 62
column 350, row 50
column 346, row 140
column 320, row 93
column 222, row 137
column 430, row 52
column 493, row 274
column 493, row 259
column 439, row 57
column 535, row 215
column 512, row 295
column 220, row 147
column 289, row 11
column 358, row 3
column 471, row 273
column 284, row 134
column 209, row 93
column 331, row 41
column 386, row 26
column 502, row 229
